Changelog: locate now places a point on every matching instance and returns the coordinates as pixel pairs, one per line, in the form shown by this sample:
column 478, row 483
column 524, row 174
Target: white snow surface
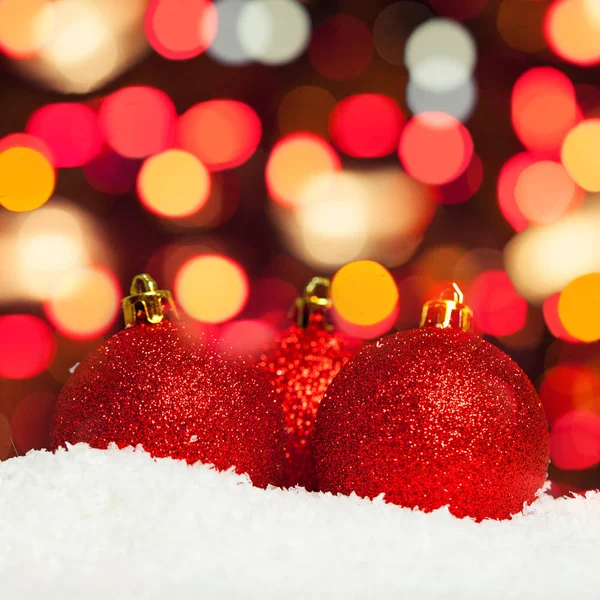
column 89, row 524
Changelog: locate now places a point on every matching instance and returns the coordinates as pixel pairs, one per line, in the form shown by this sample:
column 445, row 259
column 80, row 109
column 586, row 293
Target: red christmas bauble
column 302, row 362
column 434, row 417
column 161, row 386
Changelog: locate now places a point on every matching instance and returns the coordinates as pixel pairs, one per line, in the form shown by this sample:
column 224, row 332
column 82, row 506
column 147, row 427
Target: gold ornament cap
column 447, row 311
column 145, row 298
column 315, row 299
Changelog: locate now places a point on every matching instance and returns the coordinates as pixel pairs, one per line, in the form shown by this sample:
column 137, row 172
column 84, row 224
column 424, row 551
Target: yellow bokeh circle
column 26, row 179
column 579, row 308
column 85, row 303
column 26, row 26
column 573, row 30
column 364, row 292
column 174, row 184
column 211, row 288
column 580, row 155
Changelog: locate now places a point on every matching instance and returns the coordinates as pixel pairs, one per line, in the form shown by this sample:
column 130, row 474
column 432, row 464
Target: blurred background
column 234, row 149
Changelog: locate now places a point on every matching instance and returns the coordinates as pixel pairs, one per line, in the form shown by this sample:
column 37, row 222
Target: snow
column 90, row 524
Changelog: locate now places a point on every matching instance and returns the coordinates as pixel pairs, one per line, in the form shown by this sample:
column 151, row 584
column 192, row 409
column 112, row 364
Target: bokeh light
column 222, row 133
column 221, row 205
column 305, row 108
column 70, row 131
column 364, row 293
column 30, row 422
column 341, row 48
column 521, row 24
column 461, row 10
column 440, row 55
column 24, row 140
column 83, row 48
column 180, row 29
column 380, row 214
column 459, row 102
column 366, row 125
column 580, row 154
column 26, row 26
column 545, row 192
column 497, row 307
column 211, row 288
column 575, row 441
column 85, row 303
column 111, row 173
column 394, row 25
column 544, row 109
column 435, row 148
column 27, row 346
column 543, row 260
column 569, row 387
column 91, row 43
column 366, row 332
column 529, row 337
column 26, row 179
column 572, row 29
column 507, row 183
column 294, row 162
column 273, row 32
column 579, row 308
column 50, row 243
column 138, row 121
column 464, row 186
column 333, row 221
column 552, row 319
column 226, row 46
column 173, row 184
column 398, row 205
column 246, row 337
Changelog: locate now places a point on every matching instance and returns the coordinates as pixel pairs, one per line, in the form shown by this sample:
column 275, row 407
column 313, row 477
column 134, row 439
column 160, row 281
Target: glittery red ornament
column 160, row 385
column 431, row 417
column 302, row 362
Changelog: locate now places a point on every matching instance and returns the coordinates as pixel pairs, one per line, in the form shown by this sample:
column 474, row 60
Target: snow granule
column 88, row 524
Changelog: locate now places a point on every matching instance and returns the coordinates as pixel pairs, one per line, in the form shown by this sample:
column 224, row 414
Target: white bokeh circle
column 440, row 55
column 273, row 32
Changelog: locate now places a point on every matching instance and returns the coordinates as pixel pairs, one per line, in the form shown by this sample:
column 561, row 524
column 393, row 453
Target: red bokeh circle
column 69, row 130
column 222, row 133
column 138, row 121
column 366, row 125
column 180, row 29
column 435, row 148
column 27, row 346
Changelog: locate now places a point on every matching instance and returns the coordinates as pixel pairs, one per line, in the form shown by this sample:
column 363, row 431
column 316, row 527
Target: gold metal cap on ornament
column 315, row 299
column 145, row 298
column 448, row 310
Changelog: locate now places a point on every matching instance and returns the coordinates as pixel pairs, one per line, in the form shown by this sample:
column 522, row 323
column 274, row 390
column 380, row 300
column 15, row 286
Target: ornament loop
column 444, row 312
column 145, row 295
column 312, row 302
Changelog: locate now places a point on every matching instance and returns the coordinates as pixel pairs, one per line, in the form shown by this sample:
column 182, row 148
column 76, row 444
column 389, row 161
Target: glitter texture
column 434, row 417
column 302, row 364
column 167, row 389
